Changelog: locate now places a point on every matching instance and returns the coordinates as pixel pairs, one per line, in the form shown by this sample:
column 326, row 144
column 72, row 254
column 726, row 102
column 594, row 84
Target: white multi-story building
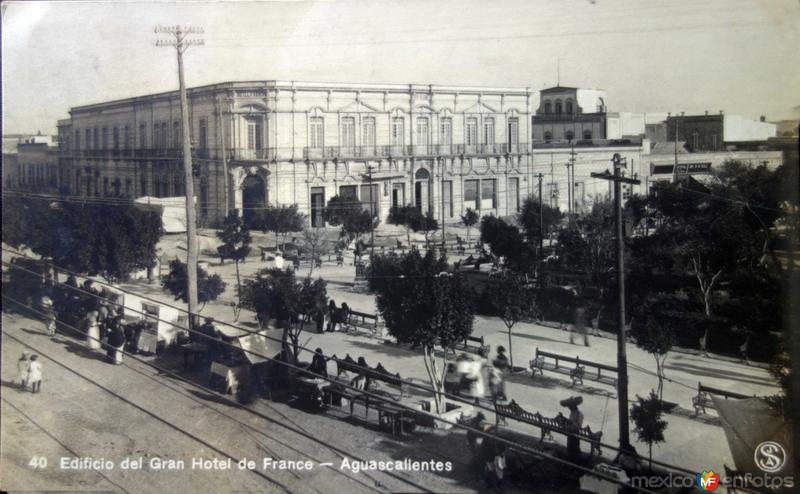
column 441, row 148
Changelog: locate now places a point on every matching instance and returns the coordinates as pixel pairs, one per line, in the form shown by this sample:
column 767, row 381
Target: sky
column 649, row 55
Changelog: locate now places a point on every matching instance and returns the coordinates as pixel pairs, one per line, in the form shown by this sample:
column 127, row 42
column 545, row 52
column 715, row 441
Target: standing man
column 575, row 422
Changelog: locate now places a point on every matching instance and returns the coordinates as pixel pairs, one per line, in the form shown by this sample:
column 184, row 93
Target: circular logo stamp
column 770, row 456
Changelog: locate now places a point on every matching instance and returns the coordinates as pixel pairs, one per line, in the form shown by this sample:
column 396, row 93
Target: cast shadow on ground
column 707, row 419
column 380, row 347
column 35, row 332
column 697, row 370
column 537, row 337
column 81, row 350
column 11, row 384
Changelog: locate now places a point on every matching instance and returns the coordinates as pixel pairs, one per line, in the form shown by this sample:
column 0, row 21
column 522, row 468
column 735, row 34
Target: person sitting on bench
column 319, row 364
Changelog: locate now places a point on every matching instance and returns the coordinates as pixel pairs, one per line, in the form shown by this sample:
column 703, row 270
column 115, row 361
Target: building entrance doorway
column 317, row 206
column 254, row 198
column 422, row 190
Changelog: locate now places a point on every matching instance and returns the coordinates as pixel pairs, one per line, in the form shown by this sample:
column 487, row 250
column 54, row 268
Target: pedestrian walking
column 49, row 314
column 575, row 422
column 333, row 316
column 501, row 361
column 703, row 343
column 743, row 349
column 497, row 384
column 116, row 343
column 35, row 374
column 23, row 366
column 579, row 326
column 91, row 327
column 495, row 468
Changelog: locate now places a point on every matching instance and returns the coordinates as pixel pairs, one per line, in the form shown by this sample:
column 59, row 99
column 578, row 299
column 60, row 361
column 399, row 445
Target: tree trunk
column 436, row 384
column 510, row 350
column 238, row 283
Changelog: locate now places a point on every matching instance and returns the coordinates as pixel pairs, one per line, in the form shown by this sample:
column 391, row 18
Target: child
column 35, row 374
column 23, row 366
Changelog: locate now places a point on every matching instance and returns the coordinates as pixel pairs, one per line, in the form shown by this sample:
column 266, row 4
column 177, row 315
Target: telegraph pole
column 181, row 43
column 541, row 233
column 571, row 179
column 372, row 215
column 441, row 193
column 622, row 359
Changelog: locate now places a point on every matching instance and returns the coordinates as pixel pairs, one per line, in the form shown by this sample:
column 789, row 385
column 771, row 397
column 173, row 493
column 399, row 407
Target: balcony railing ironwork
column 312, row 153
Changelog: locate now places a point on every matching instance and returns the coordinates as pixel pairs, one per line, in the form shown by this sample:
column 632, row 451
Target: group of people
column 101, row 324
column 337, row 315
column 30, row 372
column 470, row 375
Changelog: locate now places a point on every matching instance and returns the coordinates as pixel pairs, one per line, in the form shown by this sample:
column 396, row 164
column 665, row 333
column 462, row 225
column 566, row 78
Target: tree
column 351, row 215
column 656, row 337
column 424, row 305
column 513, row 301
column 112, row 241
column 316, row 243
column 528, row 219
column 469, row 219
column 426, row 224
column 649, row 426
column 506, row 241
column 705, row 230
column 235, row 236
column 276, row 294
column 404, row 216
column 282, row 220
column 208, row 287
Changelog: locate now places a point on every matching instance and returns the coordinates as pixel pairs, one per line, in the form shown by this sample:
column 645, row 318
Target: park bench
column 703, row 398
column 356, row 321
column 547, row 425
column 388, row 413
column 576, row 373
column 474, row 344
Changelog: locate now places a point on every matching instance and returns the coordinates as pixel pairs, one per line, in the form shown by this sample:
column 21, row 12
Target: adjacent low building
column 264, row 143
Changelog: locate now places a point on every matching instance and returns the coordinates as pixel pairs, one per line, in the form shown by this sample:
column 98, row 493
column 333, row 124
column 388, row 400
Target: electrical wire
column 306, row 349
column 60, row 443
column 140, row 408
column 341, row 453
column 385, row 399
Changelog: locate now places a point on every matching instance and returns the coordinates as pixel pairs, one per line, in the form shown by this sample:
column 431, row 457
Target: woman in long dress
column 92, row 330
column 116, row 342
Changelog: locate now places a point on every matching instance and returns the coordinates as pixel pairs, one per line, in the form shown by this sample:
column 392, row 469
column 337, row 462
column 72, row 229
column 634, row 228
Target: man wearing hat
column 575, row 422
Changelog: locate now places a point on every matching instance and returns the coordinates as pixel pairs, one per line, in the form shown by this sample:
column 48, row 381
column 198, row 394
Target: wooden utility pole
column 541, row 233
column 181, row 43
column 622, row 359
column 371, row 215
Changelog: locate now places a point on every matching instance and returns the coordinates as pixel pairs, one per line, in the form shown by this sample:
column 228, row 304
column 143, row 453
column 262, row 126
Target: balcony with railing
column 586, row 143
column 418, row 150
column 310, row 153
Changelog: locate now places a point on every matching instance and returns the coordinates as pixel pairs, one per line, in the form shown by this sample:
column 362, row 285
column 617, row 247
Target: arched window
column 587, row 135
column 548, row 136
column 558, row 107
column 548, row 108
column 569, row 135
column 569, row 107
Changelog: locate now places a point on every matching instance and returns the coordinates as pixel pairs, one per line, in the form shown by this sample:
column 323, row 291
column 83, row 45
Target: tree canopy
column 208, row 287
column 351, row 215
column 528, row 218
column 277, row 294
column 110, row 240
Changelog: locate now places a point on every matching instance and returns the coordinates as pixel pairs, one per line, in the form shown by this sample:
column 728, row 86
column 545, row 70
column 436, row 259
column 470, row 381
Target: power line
column 382, row 399
column 226, row 399
column 301, row 347
column 142, row 409
column 60, row 443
